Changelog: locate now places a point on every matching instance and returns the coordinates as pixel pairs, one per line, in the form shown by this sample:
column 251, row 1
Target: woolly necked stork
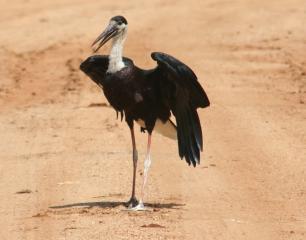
column 148, row 97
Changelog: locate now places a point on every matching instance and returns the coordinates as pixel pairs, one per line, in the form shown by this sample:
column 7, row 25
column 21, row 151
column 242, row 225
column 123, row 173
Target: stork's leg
column 147, row 164
column 133, row 201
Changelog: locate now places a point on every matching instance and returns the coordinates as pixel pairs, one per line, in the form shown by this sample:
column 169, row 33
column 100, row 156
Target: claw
column 133, row 202
column 139, row 207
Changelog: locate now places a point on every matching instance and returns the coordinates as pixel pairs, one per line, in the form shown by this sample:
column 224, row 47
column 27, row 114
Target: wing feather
column 184, row 94
column 95, row 67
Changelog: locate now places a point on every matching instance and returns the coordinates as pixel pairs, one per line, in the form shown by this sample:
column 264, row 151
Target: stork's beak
column 105, row 36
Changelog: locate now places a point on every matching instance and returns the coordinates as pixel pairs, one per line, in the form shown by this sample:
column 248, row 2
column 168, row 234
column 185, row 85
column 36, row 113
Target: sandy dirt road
column 66, row 166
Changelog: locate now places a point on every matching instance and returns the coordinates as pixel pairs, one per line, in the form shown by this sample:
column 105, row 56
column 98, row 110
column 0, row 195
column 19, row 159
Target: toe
column 138, row 207
column 132, row 203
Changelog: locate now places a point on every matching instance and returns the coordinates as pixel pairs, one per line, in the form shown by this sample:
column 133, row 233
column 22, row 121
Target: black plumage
column 148, row 95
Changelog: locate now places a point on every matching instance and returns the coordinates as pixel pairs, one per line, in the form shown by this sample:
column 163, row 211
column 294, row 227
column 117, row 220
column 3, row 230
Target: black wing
column 95, row 67
column 183, row 93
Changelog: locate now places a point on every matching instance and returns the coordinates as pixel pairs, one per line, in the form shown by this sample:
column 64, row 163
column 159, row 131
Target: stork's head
column 116, row 28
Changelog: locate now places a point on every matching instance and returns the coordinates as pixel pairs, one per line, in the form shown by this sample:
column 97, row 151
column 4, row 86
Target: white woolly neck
column 115, row 56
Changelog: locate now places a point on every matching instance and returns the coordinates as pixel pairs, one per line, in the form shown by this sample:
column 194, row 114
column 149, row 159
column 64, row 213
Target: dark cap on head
column 119, row 20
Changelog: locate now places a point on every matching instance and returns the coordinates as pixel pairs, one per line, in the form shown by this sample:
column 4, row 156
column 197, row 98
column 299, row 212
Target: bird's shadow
column 114, row 204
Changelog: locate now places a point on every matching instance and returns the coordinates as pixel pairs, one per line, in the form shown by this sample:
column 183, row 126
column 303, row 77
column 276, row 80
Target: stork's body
column 149, row 96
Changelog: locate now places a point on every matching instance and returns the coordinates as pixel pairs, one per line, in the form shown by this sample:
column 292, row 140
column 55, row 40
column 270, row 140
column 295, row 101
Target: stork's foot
column 133, row 202
column 139, row 207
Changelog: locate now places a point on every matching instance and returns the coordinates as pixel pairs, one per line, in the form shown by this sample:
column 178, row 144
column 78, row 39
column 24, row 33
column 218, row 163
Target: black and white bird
column 149, row 97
